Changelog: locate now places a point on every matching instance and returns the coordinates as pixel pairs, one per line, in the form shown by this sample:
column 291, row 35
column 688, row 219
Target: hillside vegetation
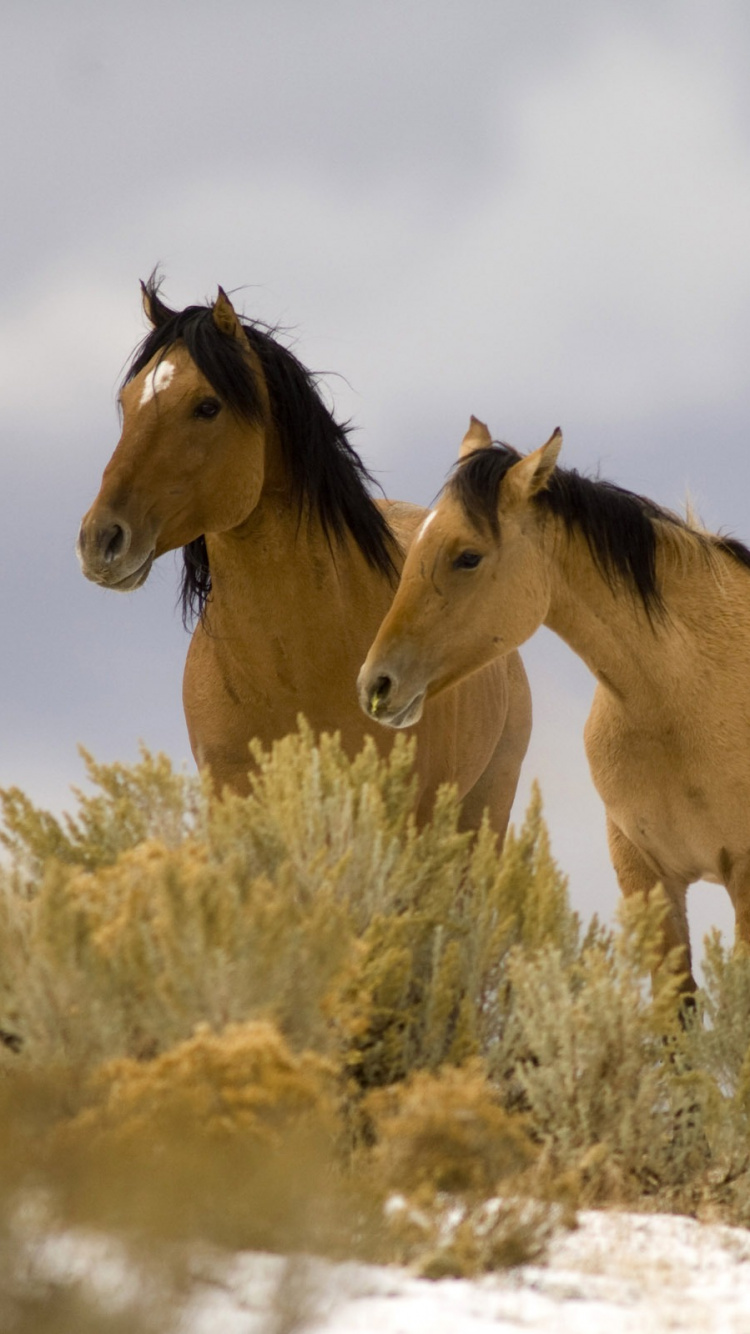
column 294, row 1021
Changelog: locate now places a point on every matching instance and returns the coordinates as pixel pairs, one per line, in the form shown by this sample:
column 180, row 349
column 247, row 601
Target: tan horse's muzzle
column 109, row 554
column 385, row 698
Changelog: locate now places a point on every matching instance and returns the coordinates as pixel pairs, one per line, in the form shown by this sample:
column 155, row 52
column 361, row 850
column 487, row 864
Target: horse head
column 191, row 455
column 474, row 584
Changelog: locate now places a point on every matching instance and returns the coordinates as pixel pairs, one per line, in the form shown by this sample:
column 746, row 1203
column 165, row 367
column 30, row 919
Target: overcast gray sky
column 533, row 211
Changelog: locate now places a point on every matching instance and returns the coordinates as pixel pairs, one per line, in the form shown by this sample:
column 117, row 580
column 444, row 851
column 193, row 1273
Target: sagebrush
column 252, row 1019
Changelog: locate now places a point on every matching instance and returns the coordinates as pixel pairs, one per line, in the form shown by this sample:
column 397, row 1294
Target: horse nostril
column 113, row 541
column 379, row 694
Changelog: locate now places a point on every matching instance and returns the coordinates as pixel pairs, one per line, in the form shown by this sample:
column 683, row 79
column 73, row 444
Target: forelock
column 476, row 483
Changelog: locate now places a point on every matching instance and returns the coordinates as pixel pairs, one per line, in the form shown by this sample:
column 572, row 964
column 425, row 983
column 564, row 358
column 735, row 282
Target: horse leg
column 495, row 789
column 635, row 876
column 738, row 887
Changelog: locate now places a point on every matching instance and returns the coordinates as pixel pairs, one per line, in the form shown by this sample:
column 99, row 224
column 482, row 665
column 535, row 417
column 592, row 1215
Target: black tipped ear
column 532, row 473
column 153, row 307
column 226, row 318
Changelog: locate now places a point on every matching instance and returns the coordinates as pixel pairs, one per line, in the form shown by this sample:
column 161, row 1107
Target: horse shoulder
column 643, row 757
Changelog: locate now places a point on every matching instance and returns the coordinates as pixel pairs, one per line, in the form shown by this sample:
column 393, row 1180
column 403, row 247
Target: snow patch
column 623, row 1273
column 619, row 1272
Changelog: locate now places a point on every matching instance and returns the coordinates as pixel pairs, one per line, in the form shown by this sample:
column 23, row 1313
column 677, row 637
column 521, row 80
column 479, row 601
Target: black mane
column 328, row 478
column 619, row 526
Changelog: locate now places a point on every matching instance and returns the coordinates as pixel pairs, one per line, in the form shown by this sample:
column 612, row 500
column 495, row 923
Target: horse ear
column 477, row 437
column 532, row 473
column 226, row 318
column 153, row 307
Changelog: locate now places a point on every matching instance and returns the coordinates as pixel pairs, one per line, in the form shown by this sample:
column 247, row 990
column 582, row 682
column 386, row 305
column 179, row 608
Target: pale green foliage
column 532, row 890
column 432, row 983
column 718, row 1045
column 314, row 901
column 172, row 963
column 157, row 913
column 601, row 1063
column 127, row 953
column 723, row 1041
column 135, row 802
column 323, row 818
column 130, row 958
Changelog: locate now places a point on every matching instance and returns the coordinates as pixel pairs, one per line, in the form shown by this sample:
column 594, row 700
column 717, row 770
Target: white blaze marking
column 159, row 378
column 426, row 525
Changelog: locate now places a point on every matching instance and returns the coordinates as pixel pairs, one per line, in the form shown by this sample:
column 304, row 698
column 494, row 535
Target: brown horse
column 658, row 609
column 228, row 451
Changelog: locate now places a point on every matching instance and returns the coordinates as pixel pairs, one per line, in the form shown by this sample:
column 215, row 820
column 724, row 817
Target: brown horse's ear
column 153, row 307
column 477, row 437
column 532, row 473
column 226, row 318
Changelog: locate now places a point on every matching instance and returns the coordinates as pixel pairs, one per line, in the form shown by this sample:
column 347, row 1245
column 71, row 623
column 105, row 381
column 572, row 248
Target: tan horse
column 228, row 451
column 658, row 610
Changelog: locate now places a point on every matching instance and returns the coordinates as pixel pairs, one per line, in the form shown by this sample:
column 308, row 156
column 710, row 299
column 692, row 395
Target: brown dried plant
column 251, row 1019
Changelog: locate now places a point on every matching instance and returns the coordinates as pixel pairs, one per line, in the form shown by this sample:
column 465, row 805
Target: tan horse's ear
column 226, row 318
column 532, row 473
column 477, row 437
column 153, row 307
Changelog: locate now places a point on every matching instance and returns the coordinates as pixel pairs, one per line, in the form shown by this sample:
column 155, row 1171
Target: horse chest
column 261, row 685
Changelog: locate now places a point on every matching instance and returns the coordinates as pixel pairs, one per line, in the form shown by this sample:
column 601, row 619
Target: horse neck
column 608, row 627
column 277, row 575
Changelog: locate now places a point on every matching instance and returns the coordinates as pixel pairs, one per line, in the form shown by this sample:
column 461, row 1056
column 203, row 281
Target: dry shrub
column 176, row 970
column 447, row 1132
column 603, row 1064
column 153, row 939
column 161, row 942
column 229, row 1136
column 134, row 802
column 432, row 986
column 460, row 1238
column 455, row 1161
column 128, row 959
column 228, row 1139
column 314, row 902
column 242, row 1083
column 721, row 1043
column 460, row 1170
column 718, row 1048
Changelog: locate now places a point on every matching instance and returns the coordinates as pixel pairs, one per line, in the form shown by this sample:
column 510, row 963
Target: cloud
column 61, row 352
column 566, row 239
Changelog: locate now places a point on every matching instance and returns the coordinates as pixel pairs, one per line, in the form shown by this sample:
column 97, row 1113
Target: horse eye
column 467, row 560
column 207, row 408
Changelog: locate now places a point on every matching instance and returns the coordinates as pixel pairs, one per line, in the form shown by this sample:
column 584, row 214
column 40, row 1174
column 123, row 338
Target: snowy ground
column 615, row 1274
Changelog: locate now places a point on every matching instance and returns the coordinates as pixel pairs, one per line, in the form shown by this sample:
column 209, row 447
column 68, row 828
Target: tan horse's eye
column 207, row 408
column 467, row 560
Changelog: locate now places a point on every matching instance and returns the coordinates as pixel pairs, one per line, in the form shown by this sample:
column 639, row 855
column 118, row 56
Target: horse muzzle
column 110, row 557
column 380, row 698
